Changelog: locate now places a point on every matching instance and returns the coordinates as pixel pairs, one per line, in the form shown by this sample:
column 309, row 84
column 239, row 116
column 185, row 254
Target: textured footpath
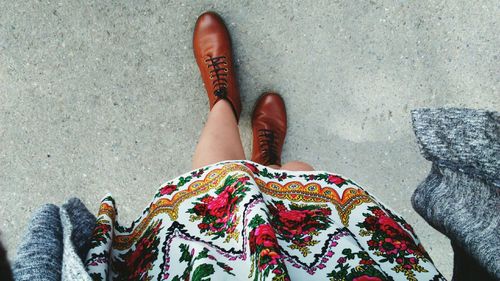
column 106, row 97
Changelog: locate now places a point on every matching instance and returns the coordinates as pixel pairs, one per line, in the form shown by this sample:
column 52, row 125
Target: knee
column 297, row 166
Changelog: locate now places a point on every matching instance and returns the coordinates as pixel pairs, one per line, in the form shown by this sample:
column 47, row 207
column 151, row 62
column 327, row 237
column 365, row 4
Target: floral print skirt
column 239, row 220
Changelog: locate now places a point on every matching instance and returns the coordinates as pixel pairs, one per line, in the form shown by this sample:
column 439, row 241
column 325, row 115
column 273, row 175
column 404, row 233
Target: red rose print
column 371, row 222
column 264, row 249
column 326, row 212
column 251, row 241
column 379, row 213
column 292, row 219
column 400, row 245
column 243, row 180
column 252, row 168
column 139, row 260
column 218, row 213
column 390, row 227
column 390, row 240
column 168, row 189
column 335, row 180
column 277, row 271
column 200, row 209
column 281, row 207
column 367, row 262
column 203, row 226
column 265, row 236
column 387, row 246
column 218, row 207
column 366, row 278
column 207, row 199
column 299, row 224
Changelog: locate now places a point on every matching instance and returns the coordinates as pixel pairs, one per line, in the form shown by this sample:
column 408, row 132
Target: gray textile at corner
column 460, row 197
column 55, row 244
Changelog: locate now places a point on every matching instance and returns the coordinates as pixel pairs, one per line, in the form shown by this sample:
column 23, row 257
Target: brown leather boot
column 269, row 129
column 212, row 50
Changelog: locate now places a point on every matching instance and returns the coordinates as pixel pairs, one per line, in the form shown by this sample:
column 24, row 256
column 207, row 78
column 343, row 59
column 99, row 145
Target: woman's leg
column 297, row 166
column 220, row 138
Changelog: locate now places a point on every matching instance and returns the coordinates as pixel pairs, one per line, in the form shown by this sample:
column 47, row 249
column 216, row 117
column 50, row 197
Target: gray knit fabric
column 55, row 244
column 39, row 255
column 461, row 195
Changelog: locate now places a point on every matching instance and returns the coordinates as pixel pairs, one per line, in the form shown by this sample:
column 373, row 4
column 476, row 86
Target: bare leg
column 297, row 166
column 220, row 138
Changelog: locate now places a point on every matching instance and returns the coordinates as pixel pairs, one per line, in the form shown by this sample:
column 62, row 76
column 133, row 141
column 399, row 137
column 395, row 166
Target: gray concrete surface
column 105, row 96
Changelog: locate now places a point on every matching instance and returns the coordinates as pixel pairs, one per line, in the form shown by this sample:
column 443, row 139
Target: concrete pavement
column 105, row 96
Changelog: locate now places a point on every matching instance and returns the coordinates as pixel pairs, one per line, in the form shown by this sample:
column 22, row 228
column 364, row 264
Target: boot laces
column 268, row 146
column 218, row 75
